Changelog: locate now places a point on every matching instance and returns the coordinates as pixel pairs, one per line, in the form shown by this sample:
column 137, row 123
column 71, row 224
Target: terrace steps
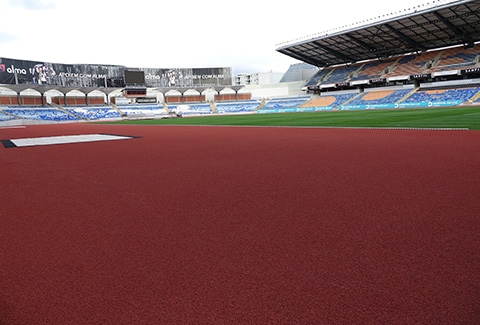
column 356, row 72
column 353, row 98
column 117, row 109
column 165, row 106
column 310, row 102
column 474, row 98
column 60, row 108
column 261, row 105
column 392, row 67
column 214, row 109
column 409, row 94
column 321, row 101
column 10, row 114
column 327, row 76
column 435, row 62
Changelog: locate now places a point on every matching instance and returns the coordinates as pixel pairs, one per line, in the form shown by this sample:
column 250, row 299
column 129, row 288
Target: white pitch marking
column 44, row 141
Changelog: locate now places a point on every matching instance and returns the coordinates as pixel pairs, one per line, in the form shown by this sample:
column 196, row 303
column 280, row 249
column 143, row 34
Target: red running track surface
column 231, row 225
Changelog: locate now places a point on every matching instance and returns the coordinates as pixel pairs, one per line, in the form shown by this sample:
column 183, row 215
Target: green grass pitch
column 446, row 117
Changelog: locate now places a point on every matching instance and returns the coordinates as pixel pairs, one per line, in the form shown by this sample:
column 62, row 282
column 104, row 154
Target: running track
column 219, row 225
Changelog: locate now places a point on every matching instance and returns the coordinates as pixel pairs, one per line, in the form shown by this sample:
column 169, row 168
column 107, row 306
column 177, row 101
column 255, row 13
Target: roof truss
column 456, row 23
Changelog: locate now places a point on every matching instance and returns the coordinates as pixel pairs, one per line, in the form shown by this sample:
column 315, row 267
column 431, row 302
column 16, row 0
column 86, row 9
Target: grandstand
column 432, row 45
column 421, row 57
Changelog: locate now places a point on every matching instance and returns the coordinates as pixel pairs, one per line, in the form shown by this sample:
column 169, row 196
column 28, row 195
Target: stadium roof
column 86, row 90
column 443, row 24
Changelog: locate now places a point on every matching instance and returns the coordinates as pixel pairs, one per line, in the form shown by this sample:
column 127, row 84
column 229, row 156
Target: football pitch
column 446, row 117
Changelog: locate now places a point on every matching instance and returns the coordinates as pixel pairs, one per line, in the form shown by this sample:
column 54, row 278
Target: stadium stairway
column 60, row 108
column 11, row 115
column 357, row 72
column 261, row 105
column 117, row 109
column 353, row 98
column 165, row 106
column 435, row 62
column 392, row 67
column 309, row 102
column 408, row 95
column 214, row 109
column 474, row 98
column 327, row 76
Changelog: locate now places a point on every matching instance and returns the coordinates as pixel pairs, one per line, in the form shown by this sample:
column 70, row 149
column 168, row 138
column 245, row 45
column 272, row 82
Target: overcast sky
column 173, row 34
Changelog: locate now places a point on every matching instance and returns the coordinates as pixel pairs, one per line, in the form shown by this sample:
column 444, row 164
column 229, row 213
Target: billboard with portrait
column 13, row 71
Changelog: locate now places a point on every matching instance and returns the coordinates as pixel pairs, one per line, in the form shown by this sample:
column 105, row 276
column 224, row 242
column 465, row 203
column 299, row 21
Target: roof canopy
column 86, row 90
column 454, row 23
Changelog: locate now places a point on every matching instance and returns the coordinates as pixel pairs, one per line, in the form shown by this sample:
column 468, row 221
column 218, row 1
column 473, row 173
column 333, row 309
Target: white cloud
column 31, row 4
column 173, row 34
column 7, row 37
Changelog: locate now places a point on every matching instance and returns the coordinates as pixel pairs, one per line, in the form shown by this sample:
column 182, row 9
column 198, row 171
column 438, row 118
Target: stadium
column 174, row 196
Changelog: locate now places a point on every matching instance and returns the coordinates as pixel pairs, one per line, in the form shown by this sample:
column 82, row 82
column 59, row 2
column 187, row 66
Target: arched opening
column 30, row 97
column 192, row 96
column 173, row 97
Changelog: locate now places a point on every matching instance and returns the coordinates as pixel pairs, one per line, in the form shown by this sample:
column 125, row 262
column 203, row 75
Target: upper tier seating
column 428, row 62
column 317, row 77
column 340, row 74
column 456, row 58
column 404, row 67
column 373, row 70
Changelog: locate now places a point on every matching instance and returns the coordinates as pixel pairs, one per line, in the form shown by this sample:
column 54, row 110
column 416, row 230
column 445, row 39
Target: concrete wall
column 284, row 89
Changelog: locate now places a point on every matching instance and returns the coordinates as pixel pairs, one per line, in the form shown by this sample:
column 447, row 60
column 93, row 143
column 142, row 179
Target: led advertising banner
column 193, row 77
column 14, row 71
column 68, row 75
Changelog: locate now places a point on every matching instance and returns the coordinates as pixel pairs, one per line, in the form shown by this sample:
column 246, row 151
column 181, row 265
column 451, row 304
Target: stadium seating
column 285, row 103
column 440, row 95
column 46, row 114
column 429, row 62
column 317, row 77
column 5, row 117
column 142, row 109
column 195, row 109
column 93, row 113
column 404, row 67
column 340, row 74
column 456, row 58
column 237, row 107
column 380, row 97
column 330, row 99
column 373, row 70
